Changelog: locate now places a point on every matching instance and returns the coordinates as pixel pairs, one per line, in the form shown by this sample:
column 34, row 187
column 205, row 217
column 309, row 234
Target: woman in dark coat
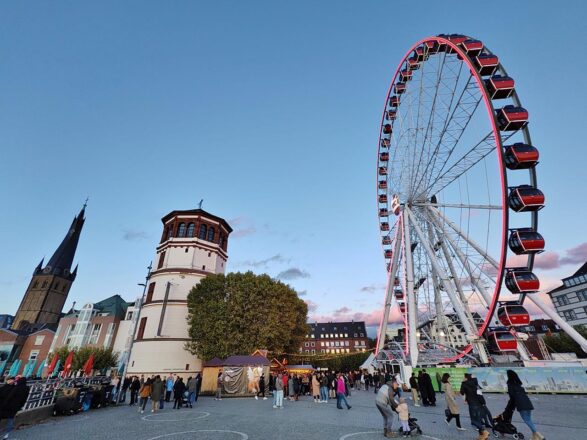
column 519, row 400
column 14, row 400
column 426, row 389
column 178, row 390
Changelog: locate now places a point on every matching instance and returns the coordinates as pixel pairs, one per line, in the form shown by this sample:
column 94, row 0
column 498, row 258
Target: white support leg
column 390, row 287
column 464, row 262
column 441, row 324
column 410, row 294
column 465, row 237
column 467, row 325
column 565, row 326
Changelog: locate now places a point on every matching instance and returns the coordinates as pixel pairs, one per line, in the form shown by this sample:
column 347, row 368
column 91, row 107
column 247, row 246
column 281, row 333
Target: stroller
column 414, row 427
column 502, row 425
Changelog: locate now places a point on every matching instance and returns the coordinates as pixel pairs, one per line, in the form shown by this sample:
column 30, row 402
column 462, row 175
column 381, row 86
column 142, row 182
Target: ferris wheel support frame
column 567, row 328
column 440, row 318
column 462, row 259
column 458, row 306
column 412, row 306
column 390, row 287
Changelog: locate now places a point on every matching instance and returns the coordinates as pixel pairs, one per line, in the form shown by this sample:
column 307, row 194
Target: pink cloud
column 547, row 260
column 372, row 318
column 576, row 255
column 312, row 306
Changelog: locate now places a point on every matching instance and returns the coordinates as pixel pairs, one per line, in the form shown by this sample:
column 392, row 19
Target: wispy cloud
column 312, row 306
column 576, row 255
column 373, row 288
column 303, row 293
column 342, row 311
column 243, row 226
column 292, row 273
column 278, row 258
column 132, row 235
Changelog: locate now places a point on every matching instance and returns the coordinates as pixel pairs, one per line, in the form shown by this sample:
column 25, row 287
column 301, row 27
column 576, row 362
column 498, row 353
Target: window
column 362, row 335
column 569, row 315
column 331, row 335
column 211, row 232
column 306, row 344
column 563, row 300
column 346, row 335
column 95, row 334
column 44, row 284
column 181, row 230
column 39, row 340
column 312, row 336
column 109, row 335
column 337, row 344
column 321, row 335
column 69, row 334
column 170, row 232
column 582, row 295
column 312, row 344
column 221, row 240
column 161, row 260
column 322, row 351
column 129, row 315
column 307, row 351
column 36, row 283
column 141, row 331
column 203, row 231
column 191, row 228
column 34, row 354
column 150, row 293
column 544, row 327
column 313, row 351
column 356, row 335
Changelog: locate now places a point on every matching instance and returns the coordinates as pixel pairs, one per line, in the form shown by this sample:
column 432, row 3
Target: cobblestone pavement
column 557, row 417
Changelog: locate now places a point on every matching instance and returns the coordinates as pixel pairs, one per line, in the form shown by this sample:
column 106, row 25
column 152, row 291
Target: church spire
column 61, row 261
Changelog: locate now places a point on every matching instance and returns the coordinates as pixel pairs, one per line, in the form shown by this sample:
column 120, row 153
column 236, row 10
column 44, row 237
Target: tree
column 103, row 357
column 562, row 343
column 241, row 312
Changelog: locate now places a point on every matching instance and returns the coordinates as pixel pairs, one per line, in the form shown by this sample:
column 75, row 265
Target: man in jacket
column 135, row 386
column 191, row 386
column 178, row 390
column 168, row 387
column 156, row 390
column 13, row 400
column 198, row 386
column 474, row 399
column 386, row 404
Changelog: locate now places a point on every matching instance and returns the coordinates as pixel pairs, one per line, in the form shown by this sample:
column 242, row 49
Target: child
column 404, row 415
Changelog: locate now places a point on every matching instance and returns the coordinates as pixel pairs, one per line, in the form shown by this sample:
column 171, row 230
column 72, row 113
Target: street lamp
column 138, row 306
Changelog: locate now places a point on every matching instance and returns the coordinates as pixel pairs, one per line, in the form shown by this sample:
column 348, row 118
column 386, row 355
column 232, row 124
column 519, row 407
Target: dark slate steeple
column 61, row 261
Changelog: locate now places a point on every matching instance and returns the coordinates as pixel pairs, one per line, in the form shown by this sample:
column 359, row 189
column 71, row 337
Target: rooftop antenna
column 86, row 202
column 200, row 204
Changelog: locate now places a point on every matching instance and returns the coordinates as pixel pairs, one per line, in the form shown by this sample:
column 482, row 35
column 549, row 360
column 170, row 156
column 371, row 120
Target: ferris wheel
column 457, row 197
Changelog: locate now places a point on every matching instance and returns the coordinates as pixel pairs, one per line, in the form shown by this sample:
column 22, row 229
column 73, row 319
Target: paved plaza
column 557, row 417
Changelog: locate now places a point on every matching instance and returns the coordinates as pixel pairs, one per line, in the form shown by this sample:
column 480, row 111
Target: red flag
column 89, row 365
column 67, row 364
column 52, row 364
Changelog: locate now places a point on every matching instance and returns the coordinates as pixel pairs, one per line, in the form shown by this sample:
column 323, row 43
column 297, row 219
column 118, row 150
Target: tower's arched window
column 170, row 232
column 181, row 230
column 221, row 240
column 211, row 234
column 203, row 230
column 191, row 228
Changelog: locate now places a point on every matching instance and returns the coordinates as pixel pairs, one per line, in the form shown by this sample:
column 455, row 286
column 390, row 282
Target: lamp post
column 138, row 307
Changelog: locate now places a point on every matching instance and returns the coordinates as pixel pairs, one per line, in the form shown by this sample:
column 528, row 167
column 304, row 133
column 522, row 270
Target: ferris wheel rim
column 498, row 147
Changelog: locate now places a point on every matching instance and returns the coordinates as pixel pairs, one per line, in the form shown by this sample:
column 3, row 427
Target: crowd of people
column 160, row 391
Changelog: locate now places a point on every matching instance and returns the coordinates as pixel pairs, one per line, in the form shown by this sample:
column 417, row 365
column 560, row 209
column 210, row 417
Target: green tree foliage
column 562, row 343
column 62, row 352
column 241, row 312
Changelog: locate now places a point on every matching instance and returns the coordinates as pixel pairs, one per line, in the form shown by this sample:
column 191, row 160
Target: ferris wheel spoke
column 456, row 205
column 444, row 220
column 443, row 238
column 468, row 160
column 459, row 309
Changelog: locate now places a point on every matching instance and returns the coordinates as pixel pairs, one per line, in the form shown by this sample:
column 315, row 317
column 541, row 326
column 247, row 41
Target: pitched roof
column 214, row 362
column 336, row 327
column 61, row 261
column 114, row 305
column 242, row 361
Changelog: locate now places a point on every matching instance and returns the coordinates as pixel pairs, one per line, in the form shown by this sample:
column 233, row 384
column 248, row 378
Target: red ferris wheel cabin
column 520, row 156
column 387, row 129
column 382, row 198
column 382, row 184
column 385, row 142
column 486, row 64
column 500, row 340
column 384, row 157
column 526, row 198
column 521, row 281
column 399, row 88
column 383, row 171
column 390, row 115
column 511, row 118
column 526, row 241
column 394, row 101
column 388, row 254
column 512, row 315
column 384, row 226
column 386, row 240
column 406, row 75
column 472, row 47
column 499, row 87
column 383, row 212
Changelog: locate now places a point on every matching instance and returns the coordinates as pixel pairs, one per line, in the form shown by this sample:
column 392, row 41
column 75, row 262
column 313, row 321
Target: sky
column 270, row 112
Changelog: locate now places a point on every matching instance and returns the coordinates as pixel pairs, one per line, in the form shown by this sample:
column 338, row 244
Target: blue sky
column 269, row 111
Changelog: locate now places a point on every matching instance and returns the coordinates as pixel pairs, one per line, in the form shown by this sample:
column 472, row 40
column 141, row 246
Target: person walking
column 414, row 389
column 385, row 403
column 13, row 399
column 178, row 390
column 169, row 382
column 191, row 387
column 261, row 387
column 162, row 393
column 452, row 408
column 519, row 400
column 135, row 387
column 404, row 416
column 219, row 386
column 426, row 389
column 144, row 394
column 315, row 388
column 341, row 392
column 125, row 386
column 469, row 389
column 278, row 401
column 198, row 386
column 290, row 388
column 156, row 390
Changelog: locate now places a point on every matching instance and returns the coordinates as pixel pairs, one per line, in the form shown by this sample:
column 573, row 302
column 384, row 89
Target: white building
column 193, row 245
column 570, row 299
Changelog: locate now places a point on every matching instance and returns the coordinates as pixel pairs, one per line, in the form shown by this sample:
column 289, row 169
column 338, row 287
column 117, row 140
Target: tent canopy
column 368, row 364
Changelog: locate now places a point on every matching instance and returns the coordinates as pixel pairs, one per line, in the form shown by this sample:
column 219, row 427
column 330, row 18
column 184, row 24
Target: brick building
column 335, row 337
